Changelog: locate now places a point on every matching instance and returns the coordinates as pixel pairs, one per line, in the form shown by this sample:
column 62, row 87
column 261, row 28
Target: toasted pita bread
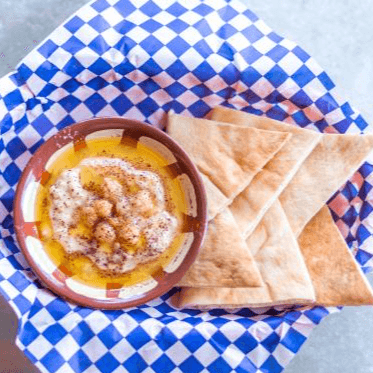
column 226, row 168
column 328, row 165
column 326, row 159
column 336, row 276
column 332, row 162
column 251, row 205
column 281, row 265
column 229, row 156
column 224, row 260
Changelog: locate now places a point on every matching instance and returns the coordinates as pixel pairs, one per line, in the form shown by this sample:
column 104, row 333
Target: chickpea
column 103, row 208
column 89, row 215
column 104, row 232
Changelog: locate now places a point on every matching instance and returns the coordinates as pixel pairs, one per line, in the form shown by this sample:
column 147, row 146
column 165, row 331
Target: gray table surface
column 338, row 33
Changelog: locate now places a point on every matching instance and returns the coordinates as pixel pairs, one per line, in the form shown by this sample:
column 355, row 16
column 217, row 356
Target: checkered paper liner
column 139, row 59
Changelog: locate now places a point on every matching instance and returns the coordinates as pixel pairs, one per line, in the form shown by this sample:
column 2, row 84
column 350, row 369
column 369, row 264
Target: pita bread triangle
column 336, row 276
column 253, row 202
column 331, row 163
column 223, row 259
column 228, row 156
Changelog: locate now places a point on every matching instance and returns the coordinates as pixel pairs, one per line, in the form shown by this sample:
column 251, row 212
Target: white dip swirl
column 117, row 219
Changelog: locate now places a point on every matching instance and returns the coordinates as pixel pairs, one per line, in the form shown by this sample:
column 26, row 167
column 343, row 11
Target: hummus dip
column 123, row 210
column 111, row 213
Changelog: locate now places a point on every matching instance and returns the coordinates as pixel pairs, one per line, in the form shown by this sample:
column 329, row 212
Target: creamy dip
column 112, row 213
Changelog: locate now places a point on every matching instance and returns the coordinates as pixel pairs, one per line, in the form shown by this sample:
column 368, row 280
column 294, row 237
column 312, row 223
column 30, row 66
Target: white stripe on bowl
column 143, row 287
column 28, row 201
column 190, row 195
column 37, row 252
column 114, row 132
column 159, row 148
column 181, row 254
column 86, row 290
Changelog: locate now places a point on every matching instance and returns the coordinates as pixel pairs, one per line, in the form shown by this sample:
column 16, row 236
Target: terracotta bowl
column 58, row 279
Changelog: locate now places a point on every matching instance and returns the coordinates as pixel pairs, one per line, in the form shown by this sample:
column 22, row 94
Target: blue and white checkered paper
column 139, row 59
